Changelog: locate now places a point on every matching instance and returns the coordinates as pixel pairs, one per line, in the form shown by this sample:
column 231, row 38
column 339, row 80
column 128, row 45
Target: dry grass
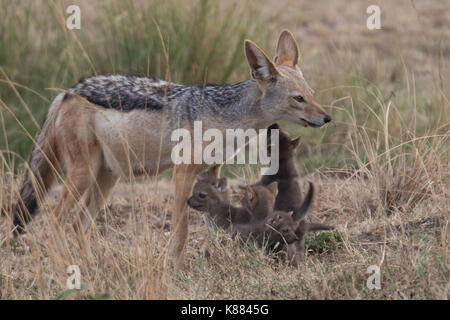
column 126, row 258
column 387, row 192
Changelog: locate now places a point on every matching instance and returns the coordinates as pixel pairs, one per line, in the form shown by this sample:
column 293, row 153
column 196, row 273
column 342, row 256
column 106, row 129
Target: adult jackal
column 106, row 127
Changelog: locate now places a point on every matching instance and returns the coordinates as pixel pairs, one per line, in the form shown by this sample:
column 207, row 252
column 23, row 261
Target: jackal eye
column 202, row 195
column 299, row 99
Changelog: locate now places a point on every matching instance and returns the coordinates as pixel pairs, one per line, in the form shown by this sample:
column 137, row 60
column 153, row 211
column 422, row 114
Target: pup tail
column 41, row 171
column 311, row 227
column 301, row 212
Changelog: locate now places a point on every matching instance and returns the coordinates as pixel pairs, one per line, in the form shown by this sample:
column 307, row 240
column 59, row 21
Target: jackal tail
column 41, row 170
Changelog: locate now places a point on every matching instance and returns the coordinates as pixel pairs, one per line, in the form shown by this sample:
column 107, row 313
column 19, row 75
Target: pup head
column 282, row 228
column 287, row 146
column 285, row 94
column 207, row 193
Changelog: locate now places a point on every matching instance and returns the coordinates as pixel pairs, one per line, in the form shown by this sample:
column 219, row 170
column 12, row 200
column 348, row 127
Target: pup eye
column 299, row 99
column 285, row 230
column 202, row 195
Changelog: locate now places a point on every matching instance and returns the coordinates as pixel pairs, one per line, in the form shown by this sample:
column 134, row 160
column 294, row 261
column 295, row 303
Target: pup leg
column 184, row 177
column 295, row 253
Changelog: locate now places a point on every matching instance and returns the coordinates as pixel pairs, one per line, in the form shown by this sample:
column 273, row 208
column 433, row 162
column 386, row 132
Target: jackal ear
column 288, row 52
column 221, row 184
column 273, row 187
column 296, row 142
column 262, row 68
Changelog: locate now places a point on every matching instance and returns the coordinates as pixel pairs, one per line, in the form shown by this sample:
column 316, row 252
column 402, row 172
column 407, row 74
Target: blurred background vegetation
column 361, row 77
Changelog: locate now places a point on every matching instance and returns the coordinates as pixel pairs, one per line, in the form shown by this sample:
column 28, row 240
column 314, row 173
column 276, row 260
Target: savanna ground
column 381, row 168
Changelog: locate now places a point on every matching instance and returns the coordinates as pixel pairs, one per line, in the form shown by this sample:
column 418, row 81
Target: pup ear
column 288, row 52
column 273, row 126
column 250, row 194
column 262, row 68
column 221, row 184
column 200, row 178
column 273, row 187
column 296, row 142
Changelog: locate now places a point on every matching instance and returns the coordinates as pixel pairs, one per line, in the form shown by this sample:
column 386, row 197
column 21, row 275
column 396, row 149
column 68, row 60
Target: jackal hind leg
column 94, row 200
column 78, row 179
column 96, row 197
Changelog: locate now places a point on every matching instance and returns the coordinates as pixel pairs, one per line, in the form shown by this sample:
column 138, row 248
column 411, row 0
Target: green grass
column 323, row 241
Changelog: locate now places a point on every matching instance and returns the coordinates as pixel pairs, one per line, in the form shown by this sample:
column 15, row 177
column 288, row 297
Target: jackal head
column 285, row 94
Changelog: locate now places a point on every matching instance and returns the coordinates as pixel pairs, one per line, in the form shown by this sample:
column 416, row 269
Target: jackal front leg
column 184, row 178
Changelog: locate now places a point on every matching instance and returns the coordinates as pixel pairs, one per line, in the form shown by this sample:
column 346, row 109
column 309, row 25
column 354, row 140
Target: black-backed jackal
column 106, row 127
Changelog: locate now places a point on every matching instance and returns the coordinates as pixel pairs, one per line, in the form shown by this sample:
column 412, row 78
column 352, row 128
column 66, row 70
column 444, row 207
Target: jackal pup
column 289, row 193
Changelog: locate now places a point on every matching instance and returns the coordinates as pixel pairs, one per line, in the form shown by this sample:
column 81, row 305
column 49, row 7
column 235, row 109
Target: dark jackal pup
column 283, row 232
column 295, row 222
column 289, row 194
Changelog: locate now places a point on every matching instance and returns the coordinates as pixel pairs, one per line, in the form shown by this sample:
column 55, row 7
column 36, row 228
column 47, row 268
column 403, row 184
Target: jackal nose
column 327, row 119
